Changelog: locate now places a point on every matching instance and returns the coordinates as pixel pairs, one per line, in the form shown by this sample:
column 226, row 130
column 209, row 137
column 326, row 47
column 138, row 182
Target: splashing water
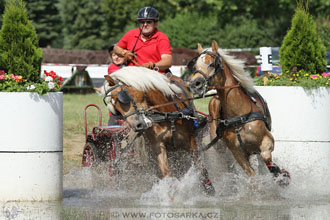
column 237, row 195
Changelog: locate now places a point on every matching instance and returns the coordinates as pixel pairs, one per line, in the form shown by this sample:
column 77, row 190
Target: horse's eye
column 211, row 65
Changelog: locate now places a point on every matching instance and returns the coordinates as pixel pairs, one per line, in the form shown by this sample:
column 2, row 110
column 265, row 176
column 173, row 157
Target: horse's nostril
column 139, row 126
column 198, row 84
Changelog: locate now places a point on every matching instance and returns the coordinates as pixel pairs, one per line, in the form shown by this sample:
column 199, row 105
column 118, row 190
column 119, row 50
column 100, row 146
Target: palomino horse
column 142, row 96
column 244, row 122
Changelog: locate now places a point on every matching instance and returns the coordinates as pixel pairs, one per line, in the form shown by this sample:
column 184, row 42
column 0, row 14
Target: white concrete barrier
column 31, row 146
column 301, row 128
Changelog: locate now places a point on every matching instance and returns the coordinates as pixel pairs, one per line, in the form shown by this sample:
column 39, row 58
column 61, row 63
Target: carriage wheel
column 89, row 155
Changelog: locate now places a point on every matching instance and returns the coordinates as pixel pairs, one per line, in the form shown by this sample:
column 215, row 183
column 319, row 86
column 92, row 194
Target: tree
column 302, row 47
column 187, row 29
column 323, row 29
column 46, row 20
column 2, row 8
column 83, row 23
column 19, row 51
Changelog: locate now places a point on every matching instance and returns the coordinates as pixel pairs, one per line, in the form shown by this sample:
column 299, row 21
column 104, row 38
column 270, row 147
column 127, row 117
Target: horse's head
column 204, row 68
column 127, row 101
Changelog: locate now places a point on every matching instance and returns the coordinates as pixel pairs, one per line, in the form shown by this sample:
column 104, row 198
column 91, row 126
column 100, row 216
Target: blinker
column 191, row 64
column 123, row 97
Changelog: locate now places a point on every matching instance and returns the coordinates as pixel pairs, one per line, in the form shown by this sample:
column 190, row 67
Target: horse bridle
column 218, row 67
column 125, row 97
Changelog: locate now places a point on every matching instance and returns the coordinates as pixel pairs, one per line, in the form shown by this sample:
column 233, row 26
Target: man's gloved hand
column 149, row 65
column 129, row 56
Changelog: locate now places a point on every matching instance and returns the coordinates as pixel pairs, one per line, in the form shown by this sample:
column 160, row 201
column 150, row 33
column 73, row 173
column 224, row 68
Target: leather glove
column 149, row 65
column 129, row 56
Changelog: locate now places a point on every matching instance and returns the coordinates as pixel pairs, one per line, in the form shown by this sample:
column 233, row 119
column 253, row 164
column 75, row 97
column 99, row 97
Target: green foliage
column 302, row 47
column 2, row 8
column 245, row 34
column 186, row 30
column 83, row 24
column 323, row 30
column 19, row 51
column 46, row 20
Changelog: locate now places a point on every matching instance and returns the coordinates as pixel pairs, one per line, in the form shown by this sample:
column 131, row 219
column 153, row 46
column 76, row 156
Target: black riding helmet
column 148, row 13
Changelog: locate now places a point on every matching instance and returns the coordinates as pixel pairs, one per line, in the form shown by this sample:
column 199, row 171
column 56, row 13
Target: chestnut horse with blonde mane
column 244, row 123
column 140, row 95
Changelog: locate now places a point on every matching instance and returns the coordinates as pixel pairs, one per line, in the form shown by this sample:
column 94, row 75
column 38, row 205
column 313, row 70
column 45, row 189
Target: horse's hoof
column 209, row 189
column 283, row 178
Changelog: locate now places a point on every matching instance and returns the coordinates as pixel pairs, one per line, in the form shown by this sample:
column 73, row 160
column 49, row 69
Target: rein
column 225, row 87
column 174, row 102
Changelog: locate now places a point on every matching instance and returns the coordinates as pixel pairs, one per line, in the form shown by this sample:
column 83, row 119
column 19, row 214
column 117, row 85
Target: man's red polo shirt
column 151, row 50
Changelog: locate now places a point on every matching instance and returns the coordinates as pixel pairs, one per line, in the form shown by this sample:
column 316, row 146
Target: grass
column 73, row 112
column 73, row 124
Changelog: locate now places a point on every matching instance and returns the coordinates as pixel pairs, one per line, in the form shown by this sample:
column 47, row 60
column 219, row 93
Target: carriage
column 103, row 143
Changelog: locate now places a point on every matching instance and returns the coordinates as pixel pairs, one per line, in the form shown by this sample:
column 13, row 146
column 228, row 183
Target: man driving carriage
column 146, row 45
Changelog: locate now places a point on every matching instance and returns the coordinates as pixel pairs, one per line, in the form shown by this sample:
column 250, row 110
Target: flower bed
column 300, row 78
column 50, row 82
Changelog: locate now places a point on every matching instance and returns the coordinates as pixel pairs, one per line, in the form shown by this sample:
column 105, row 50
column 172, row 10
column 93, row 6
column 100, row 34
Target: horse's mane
column 144, row 79
column 237, row 69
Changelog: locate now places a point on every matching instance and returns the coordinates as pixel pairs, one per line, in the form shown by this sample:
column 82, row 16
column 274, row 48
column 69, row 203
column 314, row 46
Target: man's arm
column 124, row 53
column 165, row 62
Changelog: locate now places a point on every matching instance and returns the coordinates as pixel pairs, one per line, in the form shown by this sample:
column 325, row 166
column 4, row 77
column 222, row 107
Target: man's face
column 147, row 26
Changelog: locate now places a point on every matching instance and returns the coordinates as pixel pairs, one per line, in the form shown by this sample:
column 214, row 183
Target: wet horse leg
column 163, row 161
column 267, row 146
column 214, row 110
column 240, row 156
column 204, row 178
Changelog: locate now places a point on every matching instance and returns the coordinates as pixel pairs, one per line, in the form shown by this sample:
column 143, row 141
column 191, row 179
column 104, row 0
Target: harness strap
column 204, row 148
column 172, row 103
column 166, row 116
column 173, row 132
column 218, row 137
column 240, row 141
column 108, row 91
column 242, row 119
column 234, row 122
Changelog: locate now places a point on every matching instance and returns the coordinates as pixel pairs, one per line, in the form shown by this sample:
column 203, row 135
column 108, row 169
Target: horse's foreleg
column 267, row 146
column 243, row 161
column 238, row 153
column 204, row 177
column 214, row 110
column 163, row 162
column 266, row 149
